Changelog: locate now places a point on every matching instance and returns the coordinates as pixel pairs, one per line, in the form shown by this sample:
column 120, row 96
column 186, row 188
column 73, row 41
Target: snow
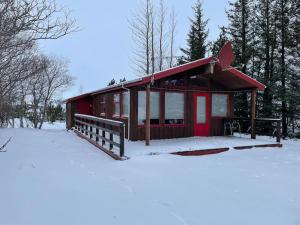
column 53, row 177
column 46, row 125
column 193, row 143
column 98, row 119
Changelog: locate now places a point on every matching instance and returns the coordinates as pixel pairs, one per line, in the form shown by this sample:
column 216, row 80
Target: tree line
column 30, row 81
column 266, row 38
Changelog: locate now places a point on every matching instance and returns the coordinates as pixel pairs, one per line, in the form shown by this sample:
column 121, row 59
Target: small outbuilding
column 193, row 99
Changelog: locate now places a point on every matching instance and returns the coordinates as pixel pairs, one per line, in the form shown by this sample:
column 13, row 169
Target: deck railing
column 270, row 126
column 95, row 129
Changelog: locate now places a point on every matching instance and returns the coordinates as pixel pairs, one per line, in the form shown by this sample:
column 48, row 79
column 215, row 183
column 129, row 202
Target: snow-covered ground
column 138, row 148
column 53, row 177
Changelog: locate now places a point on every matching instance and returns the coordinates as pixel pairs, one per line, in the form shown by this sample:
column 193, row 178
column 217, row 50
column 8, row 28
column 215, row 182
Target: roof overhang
column 229, row 77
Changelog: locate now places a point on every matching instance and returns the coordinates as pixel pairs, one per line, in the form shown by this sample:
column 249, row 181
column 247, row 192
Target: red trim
column 162, row 113
column 246, row 78
column 163, row 125
column 202, row 129
column 173, row 71
column 201, row 152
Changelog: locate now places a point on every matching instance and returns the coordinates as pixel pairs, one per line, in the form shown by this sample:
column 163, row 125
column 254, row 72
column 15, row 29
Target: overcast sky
column 102, row 49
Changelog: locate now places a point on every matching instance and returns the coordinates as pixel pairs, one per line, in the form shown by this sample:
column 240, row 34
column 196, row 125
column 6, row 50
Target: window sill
column 163, row 125
column 220, row 117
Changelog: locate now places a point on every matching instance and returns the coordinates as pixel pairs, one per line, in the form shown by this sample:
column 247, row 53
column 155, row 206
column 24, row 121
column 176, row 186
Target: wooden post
column 103, row 134
column 253, row 114
column 111, row 138
column 147, row 127
column 278, row 131
column 122, row 134
column 97, row 133
column 91, row 130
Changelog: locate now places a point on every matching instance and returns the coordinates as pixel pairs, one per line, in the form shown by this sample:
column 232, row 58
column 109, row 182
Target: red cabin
column 193, row 99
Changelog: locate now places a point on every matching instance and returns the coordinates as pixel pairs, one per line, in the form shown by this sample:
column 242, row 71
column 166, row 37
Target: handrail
column 277, row 129
column 90, row 127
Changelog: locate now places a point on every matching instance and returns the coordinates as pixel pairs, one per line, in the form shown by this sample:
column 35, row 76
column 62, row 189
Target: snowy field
column 138, row 148
column 52, row 177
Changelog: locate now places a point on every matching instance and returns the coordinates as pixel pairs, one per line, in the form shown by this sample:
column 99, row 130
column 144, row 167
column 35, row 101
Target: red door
column 202, row 114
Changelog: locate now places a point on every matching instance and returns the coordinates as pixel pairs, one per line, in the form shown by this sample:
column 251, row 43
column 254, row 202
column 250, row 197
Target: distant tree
column 122, row 80
column 55, row 113
column 45, row 86
column 112, row 82
column 219, row 43
column 197, row 44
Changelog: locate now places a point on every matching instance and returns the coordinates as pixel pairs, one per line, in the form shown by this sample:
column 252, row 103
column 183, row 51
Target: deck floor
column 193, row 144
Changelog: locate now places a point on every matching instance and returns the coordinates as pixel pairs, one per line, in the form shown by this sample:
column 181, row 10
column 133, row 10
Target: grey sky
column 102, row 49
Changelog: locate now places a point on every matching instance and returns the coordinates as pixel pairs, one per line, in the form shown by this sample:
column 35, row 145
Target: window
column 201, row 109
column 125, row 103
column 154, row 107
column 174, row 108
column 102, row 105
column 116, row 104
column 220, row 105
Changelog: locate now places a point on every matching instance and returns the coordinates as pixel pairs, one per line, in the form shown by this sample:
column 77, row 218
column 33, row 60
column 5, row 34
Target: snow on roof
column 169, row 72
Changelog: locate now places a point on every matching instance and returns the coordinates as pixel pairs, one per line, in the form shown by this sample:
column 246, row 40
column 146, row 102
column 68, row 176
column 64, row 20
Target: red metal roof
column 230, row 77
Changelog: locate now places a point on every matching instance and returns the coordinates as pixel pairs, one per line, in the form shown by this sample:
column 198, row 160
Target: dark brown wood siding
column 164, row 131
column 108, row 109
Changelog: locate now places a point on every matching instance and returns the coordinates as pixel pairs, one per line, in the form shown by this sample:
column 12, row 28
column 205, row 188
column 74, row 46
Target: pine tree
column 241, row 36
column 197, row 43
column 112, row 82
column 122, row 80
column 219, row 43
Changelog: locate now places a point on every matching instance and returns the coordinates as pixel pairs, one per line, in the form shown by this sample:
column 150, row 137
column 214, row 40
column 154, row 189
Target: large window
column 116, row 104
column 154, row 107
column 220, row 105
column 174, row 108
column 125, row 104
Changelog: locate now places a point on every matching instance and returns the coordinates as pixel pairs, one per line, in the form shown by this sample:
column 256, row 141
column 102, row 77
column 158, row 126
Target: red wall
column 84, row 106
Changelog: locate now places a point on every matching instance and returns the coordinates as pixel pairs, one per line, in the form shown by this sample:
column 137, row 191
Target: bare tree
column 152, row 38
column 22, row 24
column 44, row 87
column 162, row 33
column 172, row 27
column 141, row 26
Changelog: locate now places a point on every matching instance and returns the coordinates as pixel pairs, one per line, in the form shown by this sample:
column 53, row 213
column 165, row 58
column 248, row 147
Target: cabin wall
column 92, row 106
column 80, row 106
column 217, row 123
column 109, row 109
column 178, row 131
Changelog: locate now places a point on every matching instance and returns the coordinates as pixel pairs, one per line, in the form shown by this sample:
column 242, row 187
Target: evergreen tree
column 240, row 32
column 219, row 43
column 122, row 80
column 197, row 43
column 112, row 82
